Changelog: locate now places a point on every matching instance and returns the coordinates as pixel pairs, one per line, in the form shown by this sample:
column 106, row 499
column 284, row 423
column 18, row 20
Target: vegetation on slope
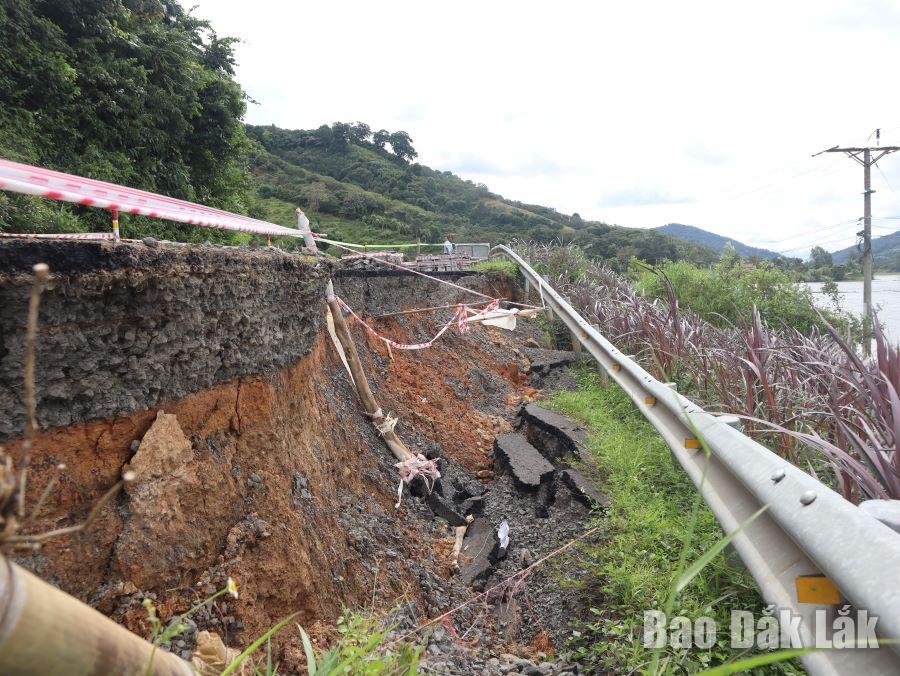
column 715, row 242
column 885, row 250
column 134, row 92
column 142, row 93
column 807, row 395
column 727, row 293
column 356, row 188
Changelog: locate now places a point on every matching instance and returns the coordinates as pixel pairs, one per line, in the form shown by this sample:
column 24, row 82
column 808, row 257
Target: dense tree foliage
column 131, row 91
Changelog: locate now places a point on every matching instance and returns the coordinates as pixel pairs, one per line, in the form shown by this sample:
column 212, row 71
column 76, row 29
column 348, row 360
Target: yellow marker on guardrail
column 817, row 589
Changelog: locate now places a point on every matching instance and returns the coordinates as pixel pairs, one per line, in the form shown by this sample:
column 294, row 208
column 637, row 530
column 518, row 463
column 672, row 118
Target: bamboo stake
column 45, row 631
column 373, row 410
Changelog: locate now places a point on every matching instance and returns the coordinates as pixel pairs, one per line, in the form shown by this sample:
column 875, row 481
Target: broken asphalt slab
column 528, row 467
column 481, row 549
column 554, row 434
column 583, row 489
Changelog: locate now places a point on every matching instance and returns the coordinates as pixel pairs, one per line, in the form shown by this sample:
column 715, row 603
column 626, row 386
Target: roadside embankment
column 207, row 370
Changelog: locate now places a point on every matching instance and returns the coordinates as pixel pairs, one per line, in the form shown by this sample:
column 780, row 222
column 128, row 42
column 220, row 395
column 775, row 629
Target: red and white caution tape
column 460, row 317
column 410, row 468
column 28, row 180
column 60, row 235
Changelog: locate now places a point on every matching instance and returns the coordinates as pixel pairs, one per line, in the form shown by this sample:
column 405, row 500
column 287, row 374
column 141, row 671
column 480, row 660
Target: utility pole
column 867, row 156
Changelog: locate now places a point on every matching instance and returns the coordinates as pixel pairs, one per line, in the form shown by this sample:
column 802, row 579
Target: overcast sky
column 634, row 113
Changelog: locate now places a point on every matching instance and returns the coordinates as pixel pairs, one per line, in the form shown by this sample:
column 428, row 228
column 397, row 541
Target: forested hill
column 885, row 250
column 715, row 242
column 361, row 186
column 143, row 94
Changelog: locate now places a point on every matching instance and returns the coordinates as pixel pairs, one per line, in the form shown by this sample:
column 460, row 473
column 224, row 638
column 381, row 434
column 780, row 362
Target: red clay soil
column 217, row 493
column 445, row 391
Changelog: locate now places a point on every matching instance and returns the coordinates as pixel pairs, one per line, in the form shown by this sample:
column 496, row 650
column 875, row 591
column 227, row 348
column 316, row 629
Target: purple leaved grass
column 809, row 397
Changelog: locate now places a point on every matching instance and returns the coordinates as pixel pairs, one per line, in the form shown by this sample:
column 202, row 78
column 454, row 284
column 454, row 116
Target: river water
column 885, row 297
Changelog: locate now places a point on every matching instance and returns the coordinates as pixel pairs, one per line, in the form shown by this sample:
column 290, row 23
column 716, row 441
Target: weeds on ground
column 648, row 537
column 498, row 268
column 363, row 650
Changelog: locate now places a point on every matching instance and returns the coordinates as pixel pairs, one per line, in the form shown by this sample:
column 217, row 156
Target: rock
column 212, row 655
column 554, row 434
column 528, row 467
column 545, row 498
column 151, row 242
column 162, row 500
column 467, row 488
column 583, row 489
column 543, row 360
column 509, row 615
column 525, row 558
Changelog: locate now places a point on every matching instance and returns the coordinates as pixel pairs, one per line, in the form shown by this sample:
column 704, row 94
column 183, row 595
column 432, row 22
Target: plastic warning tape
column 57, row 235
column 460, row 317
column 28, row 180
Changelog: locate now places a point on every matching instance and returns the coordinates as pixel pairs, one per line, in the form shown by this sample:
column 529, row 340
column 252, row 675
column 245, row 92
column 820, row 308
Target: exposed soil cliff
column 252, row 455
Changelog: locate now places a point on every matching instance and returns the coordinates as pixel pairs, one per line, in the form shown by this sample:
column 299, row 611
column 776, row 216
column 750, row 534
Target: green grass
column 633, row 568
column 498, row 268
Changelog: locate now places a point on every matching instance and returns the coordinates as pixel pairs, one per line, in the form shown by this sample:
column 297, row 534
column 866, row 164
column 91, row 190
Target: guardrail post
column 604, row 376
column 576, row 343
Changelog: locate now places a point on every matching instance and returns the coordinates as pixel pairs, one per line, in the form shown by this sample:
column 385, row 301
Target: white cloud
column 686, row 107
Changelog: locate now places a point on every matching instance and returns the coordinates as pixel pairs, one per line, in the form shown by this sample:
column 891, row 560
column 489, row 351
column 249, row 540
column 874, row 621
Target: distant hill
column 885, row 249
column 717, row 243
column 355, row 187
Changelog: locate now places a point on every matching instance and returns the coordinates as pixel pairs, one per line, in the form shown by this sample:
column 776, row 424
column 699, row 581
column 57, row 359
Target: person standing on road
column 448, row 247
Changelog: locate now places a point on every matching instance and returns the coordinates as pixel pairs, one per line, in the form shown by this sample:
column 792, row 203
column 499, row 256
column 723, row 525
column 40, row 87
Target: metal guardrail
column 808, row 529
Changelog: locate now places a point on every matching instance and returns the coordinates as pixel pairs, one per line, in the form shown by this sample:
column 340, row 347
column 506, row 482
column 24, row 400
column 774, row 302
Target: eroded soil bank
column 260, row 464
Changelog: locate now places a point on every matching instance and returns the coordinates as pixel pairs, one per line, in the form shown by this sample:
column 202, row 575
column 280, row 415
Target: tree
column 380, row 138
column 360, row 132
column 139, row 93
column 819, row 258
column 401, row 144
column 340, row 136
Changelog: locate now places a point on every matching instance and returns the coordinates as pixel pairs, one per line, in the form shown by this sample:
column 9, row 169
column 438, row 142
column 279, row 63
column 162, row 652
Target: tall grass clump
column 803, row 389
